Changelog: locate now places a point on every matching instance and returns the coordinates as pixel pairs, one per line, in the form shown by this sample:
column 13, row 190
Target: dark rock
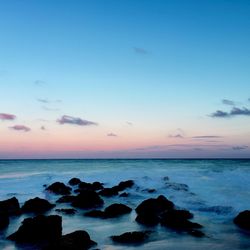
column 36, row 205
column 4, row 220
column 108, row 192
column 178, row 219
column 116, row 210
column 87, row 199
column 66, row 199
column 243, row 219
column 10, row 206
column 78, row 240
column 155, row 206
column 177, row 186
column 74, row 181
column 97, row 185
column 39, row 229
column 90, row 186
column 59, row 188
column 124, row 184
column 124, row 194
column 149, row 190
column 148, row 219
column 95, row 214
column 165, row 178
column 66, row 210
column 196, row 233
column 135, row 237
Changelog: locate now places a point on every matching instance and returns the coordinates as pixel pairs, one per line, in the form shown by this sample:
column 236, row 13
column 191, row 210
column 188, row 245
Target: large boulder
column 155, row 206
column 148, row 219
column 108, row 192
column 78, row 240
column 36, row 205
column 243, row 219
column 59, row 188
column 74, row 181
column 95, row 214
column 66, row 199
column 125, row 184
column 135, row 237
column 87, row 199
column 40, row 229
column 10, row 206
column 4, row 220
column 116, row 210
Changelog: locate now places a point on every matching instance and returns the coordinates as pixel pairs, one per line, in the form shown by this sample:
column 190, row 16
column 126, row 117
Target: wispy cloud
column 228, row 102
column 176, row 136
column 39, row 83
column 66, row 119
column 20, row 128
column 140, row 51
column 43, row 100
column 206, row 136
column 43, row 128
column 50, row 109
column 112, row 135
column 240, row 147
column 130, row 123
column 9, row 117
column 234, row 112
column 179, row 133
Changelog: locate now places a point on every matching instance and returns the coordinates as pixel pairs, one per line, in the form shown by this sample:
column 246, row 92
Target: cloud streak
column 20, row 128
column 240, row 147
column 66, row 119
column 112, row 135
column 206, row 137
column 228, row 102
column 234, row 112
column 7, row 117
column 140, row 51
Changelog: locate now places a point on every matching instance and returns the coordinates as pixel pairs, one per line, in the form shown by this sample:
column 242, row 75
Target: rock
column 243, row 219
column 78, row 240
column 90, row 186
column 177, row 186
column 36, row 205
column 97, row 185
column 165, row 178
column 4, row 220
column 124, row 194
column 59, row 188
column 116, row 210
column 178, row 219
column 66, row 210
column 155, row 206
column 39, row 229
column 149, row 190
column 66, row 199
column 87, row 199
column 124, row 184
column 74, row 181
column 108, row 192
column 135, row 237
column 10, row 206
column 148, row 219
column 196, row 233
column 95, row 214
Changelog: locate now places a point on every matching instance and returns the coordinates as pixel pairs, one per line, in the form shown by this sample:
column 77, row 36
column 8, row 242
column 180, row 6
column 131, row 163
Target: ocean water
column 215, row 191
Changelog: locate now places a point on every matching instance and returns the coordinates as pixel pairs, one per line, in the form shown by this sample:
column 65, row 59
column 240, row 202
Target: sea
column 214, row 190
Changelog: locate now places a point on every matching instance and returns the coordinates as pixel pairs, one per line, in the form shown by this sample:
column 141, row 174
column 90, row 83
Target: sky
column 124, row 79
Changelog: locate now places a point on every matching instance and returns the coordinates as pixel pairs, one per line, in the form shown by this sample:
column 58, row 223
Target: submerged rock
column 135, row 237
column 59, row 188
column 196, row 233
column 124, row 194
column 116, row 210
column 66, row 210
column 78, row 240
column 36, row 205
column 95, row 214
column 74, row 181
column 243, row 219
column 10, row 206
column 39, row 229
column 87, row 199
column 177, row 186
column 4, row 220
column 217, row 209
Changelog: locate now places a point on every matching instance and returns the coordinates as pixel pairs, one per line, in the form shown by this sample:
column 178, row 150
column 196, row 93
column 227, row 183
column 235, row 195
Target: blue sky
column 142, row 70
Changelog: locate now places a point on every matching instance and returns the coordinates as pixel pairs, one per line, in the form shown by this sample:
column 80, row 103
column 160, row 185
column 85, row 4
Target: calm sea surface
column 216, row 191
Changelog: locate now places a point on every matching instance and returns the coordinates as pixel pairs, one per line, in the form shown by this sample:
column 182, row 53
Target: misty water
column 215, row 191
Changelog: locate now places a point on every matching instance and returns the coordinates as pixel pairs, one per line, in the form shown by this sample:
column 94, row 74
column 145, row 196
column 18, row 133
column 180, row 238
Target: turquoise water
column 217, row 191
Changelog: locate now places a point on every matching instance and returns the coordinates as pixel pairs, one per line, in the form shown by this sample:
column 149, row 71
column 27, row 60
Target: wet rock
column 177, row 186
column 116, row 210
column 68, row 211
column 155, row 206
column 78, row 240
column 74, row 181
column 87, row 199
column 124, row 194
column 66, row 199
column 39, row 229
column 4, row 220
column 148, row 219
column 136, row 237
column 59, row 188
column 90, row 186
column 124, row 184
column 36, row 205
column 108, row 192
column 165, row 178
column 10, row 206
column 243, row 219
column 178, row 219
column 97, row 185
column 95, row 214
column 196, row 233
column 149, row 190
